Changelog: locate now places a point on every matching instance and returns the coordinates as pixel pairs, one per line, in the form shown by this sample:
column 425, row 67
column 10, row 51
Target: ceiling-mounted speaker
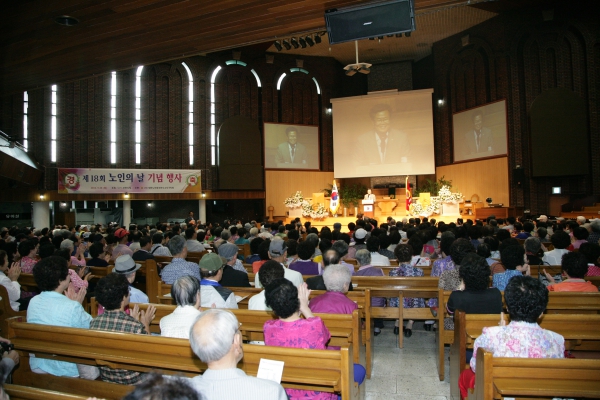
column 379, row 19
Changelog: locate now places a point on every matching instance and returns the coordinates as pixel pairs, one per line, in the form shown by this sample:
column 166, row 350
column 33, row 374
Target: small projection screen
column 383, row 134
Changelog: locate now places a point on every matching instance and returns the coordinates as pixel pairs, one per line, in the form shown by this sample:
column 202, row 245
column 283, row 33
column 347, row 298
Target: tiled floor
column 408, row 373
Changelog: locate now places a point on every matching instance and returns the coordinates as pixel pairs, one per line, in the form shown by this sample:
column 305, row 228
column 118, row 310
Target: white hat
column 543, row 218
column 125, row 265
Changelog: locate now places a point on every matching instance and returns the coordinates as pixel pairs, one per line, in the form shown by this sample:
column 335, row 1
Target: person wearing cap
column 211, row 291
column 229, row 251
column 125, row 265
column 122, row 236
column 186, row 293
column 113, row 293
column 278, row 252
column 359, row 241
column 179, row 266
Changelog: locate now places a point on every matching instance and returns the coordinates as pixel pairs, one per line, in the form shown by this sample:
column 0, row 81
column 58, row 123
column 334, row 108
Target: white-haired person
column 337, row 280
column 216, row 339
column 186, row 293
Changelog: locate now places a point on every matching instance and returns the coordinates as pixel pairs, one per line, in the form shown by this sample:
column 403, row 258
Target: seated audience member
column 476, row 297
column 9, row 279
column 122, row 236
column 78, row 259
column 278, row 252
column 580, row 234
column 155, row 386
column 125, row 265
column 527, row 229
column 359, row 237
column 445, row 261
column 291, row 330
column 178, row 266
column 143, row 253
column 292, row 251
column 157, row 248
column 216, row 339
column 533, row 251
column 416, row 244
column 363, row 257
column 450, row 279
column 27, row 250
column 526, row 299
column 263, row 254
column 229, row 252
column 373, row 246
column 574, row 267
column 403, row 253
column 9, row 360
column 186, row 293
column 112, row 292
column 341, row 248
column 337, row 281
column 591, row 251
column 560, row 240
column 513, row 259
column 269, row 271
column 303, row 263
column 192, row 243
column 594, row 236
column 99, row 258
column 542, row 234
column 330, row 257
column 211, row 291
column 384, row 243
column 58, row 305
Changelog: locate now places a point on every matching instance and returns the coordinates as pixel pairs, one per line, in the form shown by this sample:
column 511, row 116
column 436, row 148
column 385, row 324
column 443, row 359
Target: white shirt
column 178, row 323
column 210, row 296
column 257, row 302
column 194, row 245
column 137, row 296
column 554, row 257
column 13, row 289
column 379, row 260
column 134, row 246
column 233, row 384
column 160, row 250
column 293, row 276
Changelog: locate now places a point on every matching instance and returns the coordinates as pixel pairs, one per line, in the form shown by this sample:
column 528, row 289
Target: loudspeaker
column 354, row 23
column 518, row 176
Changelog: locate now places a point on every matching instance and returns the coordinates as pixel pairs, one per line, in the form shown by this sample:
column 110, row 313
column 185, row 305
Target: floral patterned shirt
column 521, row 340
column 407, row 270
column 439, row 267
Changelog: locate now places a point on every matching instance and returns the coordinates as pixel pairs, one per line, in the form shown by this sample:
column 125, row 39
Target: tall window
column 113, row 118
column 138, row 114
column 25, row 115
column 280, row 80
column 190, row 113
column 53, row 126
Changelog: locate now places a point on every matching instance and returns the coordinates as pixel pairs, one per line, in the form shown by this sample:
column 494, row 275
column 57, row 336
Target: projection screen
column 383, row 134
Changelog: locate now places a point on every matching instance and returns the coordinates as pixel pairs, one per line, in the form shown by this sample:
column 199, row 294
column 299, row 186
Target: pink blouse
column 76, row 281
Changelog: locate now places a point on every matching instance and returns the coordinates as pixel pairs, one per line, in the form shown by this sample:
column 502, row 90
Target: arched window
column 283, row 75
column 25, row 122
column 213, row 128
column 53, row 125
column 138, row 114
column 190, row 112
column 299, row 97
column 113, row 118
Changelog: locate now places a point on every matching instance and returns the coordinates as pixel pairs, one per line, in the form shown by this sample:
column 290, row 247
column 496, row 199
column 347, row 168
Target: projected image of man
column 478, row 139
column 291, row 152
column 382, row 145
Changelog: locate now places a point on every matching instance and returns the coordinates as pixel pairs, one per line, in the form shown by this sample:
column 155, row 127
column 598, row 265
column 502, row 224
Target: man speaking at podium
column 291, row 152
column 382, row 145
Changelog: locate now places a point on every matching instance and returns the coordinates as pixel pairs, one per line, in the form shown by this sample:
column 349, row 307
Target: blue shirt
column 178, row 268
column 52, row 308
column 137, row 296
column 501, row 280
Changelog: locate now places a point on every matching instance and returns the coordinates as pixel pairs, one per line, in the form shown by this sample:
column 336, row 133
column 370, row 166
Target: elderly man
column 234, row 273
column 337, row 280
column 192, row 243
column 122, row 236
column 278, row 252
column 216, row 339
column 179, row 266
column 211, row 291
column 186, row 293
column 125, row 265
column 157, row 246
column 229, row 252
column 143, row 253
column 331, row 257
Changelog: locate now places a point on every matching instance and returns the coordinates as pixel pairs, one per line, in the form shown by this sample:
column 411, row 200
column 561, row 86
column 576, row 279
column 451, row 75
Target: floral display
column 294, row 201
column 444, row 196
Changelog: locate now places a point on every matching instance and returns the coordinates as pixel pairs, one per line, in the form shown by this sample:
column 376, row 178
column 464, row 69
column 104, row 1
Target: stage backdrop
column 282, row 184
column 116, row 180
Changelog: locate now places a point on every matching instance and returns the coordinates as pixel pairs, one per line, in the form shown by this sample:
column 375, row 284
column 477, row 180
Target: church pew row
column 504, row 377
column 18, row 392
column 6, row 311
column 581, row 331
column 323, row 370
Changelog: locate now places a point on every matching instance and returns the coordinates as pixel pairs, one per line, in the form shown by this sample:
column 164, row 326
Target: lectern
column 368, row 208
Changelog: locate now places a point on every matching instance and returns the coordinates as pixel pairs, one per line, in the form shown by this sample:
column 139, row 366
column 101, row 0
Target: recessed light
column 65, row 20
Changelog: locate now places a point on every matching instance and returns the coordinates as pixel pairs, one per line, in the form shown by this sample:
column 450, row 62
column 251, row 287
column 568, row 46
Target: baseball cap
column 125, row 265
column 211, row 262
column 360, row 233
column 543, row 218
column 121, row 233
column 277, row 247
column 228, row 250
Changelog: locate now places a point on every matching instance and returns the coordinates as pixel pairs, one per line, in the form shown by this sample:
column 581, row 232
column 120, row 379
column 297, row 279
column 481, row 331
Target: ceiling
column 119, row 34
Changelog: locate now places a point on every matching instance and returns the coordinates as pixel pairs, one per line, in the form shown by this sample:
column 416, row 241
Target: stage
column 380, row 219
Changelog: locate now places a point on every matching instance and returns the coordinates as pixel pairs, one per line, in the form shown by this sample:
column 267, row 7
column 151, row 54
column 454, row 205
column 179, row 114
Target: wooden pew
column 581, row 331
column 28, row 284
column 164, row 294
column 324, row 370
column 503, row 377
column 6, row 311
column 244, row 249
column 18, row 392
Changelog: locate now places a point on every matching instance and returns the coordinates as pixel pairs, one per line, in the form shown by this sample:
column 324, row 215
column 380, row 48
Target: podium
column 368, row 208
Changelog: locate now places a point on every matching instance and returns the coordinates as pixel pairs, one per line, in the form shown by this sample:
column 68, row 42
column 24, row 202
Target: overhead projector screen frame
column 403, row 118
column 278, row 153
column 494, row 133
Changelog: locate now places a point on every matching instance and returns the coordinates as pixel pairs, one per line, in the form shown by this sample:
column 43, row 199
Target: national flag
column 408, row 194
column 334, row 203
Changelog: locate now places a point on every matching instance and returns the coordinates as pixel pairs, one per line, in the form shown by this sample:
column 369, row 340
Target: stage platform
column 380, row 219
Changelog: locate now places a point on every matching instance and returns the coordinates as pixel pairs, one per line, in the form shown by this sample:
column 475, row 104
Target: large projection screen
column 480, row 132
column 383, row 134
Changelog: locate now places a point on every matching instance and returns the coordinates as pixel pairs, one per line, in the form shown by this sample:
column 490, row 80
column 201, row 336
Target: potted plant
column 350, row 195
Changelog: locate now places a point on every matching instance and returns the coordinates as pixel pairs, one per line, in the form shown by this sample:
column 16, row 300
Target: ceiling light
column 286, row 44
column 294, row 42
column 302, row 42
column 65, row 20
column 310, row 41
column 277, row 45
column 126, row 195
column 350, row 72
column 317, row 38
column 364, row 69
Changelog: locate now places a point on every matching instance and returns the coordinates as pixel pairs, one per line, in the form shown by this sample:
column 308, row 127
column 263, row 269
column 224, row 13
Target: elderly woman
column 526, row 299
column 592, row 253
column 337, row 279
column 533, row 250
column 78, row 259
column 363, row 257
column 513, row 259
column 303, row 263
column 403, row 253
column 8, row 279
column 290, row 330
column 27, row 250
column 575, row 267
column 560, row 240
column 475, row 295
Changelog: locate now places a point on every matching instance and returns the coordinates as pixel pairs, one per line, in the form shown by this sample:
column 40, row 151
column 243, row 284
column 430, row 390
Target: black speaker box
column 518, row 176
column 380, row 19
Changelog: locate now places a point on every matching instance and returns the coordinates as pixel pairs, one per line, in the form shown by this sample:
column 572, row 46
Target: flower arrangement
column 444, row 196
column 294, row 201
column 315, row 211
